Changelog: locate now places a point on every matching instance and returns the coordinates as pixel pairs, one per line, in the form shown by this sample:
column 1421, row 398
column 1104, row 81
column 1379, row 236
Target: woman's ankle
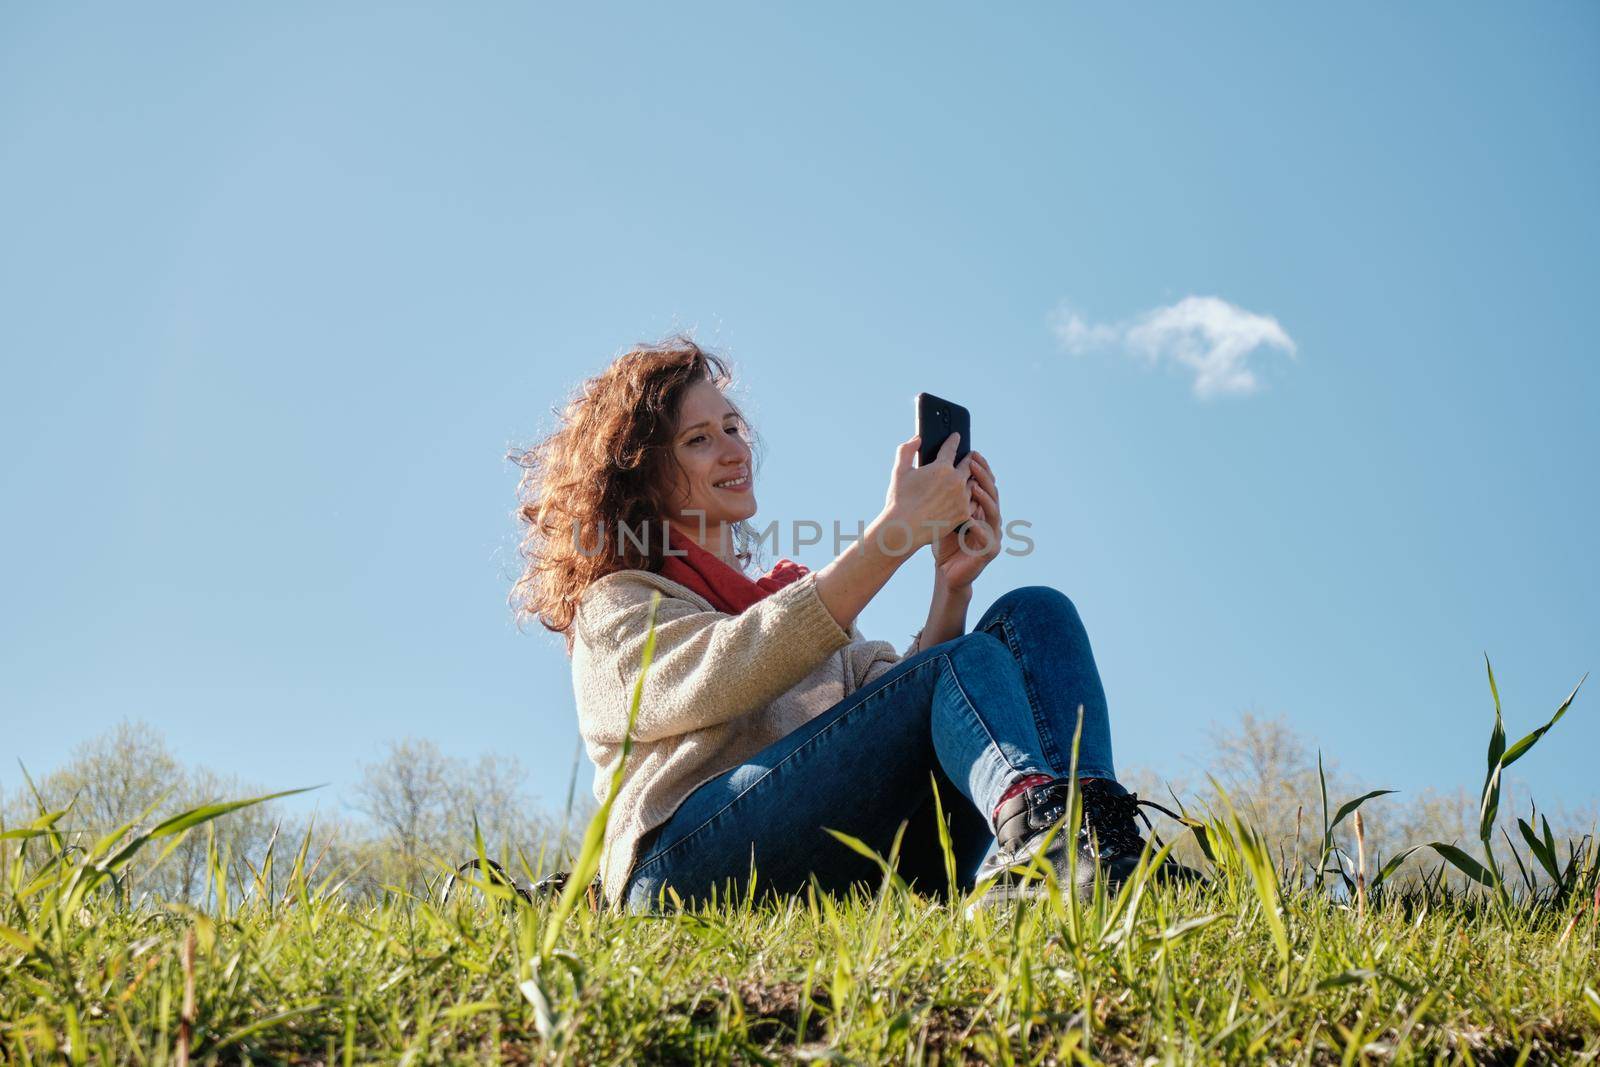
column 1018, row 786
column 1023, row 783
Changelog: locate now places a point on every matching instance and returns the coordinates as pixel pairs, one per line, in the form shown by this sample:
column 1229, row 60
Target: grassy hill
column 1334, row 961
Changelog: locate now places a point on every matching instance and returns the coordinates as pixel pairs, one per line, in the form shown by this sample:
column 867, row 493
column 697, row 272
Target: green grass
column 1332, row 965
column 1197, row 976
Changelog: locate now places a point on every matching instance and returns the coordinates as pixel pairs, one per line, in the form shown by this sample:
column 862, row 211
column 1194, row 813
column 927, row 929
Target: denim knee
column 1042, row 602
column 979, row 646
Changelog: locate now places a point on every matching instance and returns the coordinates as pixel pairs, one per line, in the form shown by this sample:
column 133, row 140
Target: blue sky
column 282, row 284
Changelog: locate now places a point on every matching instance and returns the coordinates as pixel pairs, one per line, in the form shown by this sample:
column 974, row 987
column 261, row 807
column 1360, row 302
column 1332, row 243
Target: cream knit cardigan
column 720, row 688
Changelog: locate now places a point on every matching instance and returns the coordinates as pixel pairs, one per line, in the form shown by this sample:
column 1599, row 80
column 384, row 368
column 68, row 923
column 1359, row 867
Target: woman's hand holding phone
column 924, row 502
column 921, row 502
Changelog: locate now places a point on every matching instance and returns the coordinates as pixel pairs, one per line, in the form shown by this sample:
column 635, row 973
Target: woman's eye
column 697, row 438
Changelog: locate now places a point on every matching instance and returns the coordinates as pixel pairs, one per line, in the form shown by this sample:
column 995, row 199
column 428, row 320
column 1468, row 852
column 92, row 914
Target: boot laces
column 1110, row 817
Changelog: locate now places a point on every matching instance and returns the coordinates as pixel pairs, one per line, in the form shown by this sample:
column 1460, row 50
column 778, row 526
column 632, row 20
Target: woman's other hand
column 924, row 502
column 958, row 559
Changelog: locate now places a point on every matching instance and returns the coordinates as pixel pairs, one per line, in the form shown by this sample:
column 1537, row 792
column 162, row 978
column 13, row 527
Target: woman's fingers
column 984, row 466
column 982, row 475
column 990, row 505
column 905, row 454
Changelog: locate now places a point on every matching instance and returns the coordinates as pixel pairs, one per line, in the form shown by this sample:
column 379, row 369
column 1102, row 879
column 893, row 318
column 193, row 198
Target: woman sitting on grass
column 766, row 716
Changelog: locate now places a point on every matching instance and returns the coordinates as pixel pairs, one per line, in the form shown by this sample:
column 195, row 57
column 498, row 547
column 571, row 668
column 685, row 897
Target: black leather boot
column 1108, row 840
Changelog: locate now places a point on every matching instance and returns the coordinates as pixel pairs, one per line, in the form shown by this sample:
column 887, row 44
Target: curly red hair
column 609, row 462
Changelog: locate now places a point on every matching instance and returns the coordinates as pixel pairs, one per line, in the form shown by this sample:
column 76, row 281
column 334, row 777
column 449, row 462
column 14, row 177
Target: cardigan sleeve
column 708, row 667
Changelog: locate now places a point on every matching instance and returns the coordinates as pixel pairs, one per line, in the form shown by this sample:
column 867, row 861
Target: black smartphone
column 937, row 419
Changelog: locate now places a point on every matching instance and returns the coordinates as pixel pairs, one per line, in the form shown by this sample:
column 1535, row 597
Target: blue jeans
column 974, row 714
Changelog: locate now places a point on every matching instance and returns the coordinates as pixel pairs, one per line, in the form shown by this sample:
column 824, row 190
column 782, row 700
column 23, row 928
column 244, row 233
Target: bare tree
column 407, row 795
column 420, row 804
column 244, row 834
column 1272, row 778
column 493, row 790
column 129, row 775
column 423, row 802
column 112, row 778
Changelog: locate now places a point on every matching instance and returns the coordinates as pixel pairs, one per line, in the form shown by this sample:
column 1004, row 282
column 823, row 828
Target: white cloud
column 1203, row 334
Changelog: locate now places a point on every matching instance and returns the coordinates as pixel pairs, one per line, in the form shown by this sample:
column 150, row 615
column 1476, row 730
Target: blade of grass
column 583, row 871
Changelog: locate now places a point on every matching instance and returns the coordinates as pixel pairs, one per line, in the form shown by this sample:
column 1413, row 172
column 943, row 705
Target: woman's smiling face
column 711, row 448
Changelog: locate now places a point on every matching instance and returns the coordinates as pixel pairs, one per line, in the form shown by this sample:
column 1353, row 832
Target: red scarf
column 728, row 590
